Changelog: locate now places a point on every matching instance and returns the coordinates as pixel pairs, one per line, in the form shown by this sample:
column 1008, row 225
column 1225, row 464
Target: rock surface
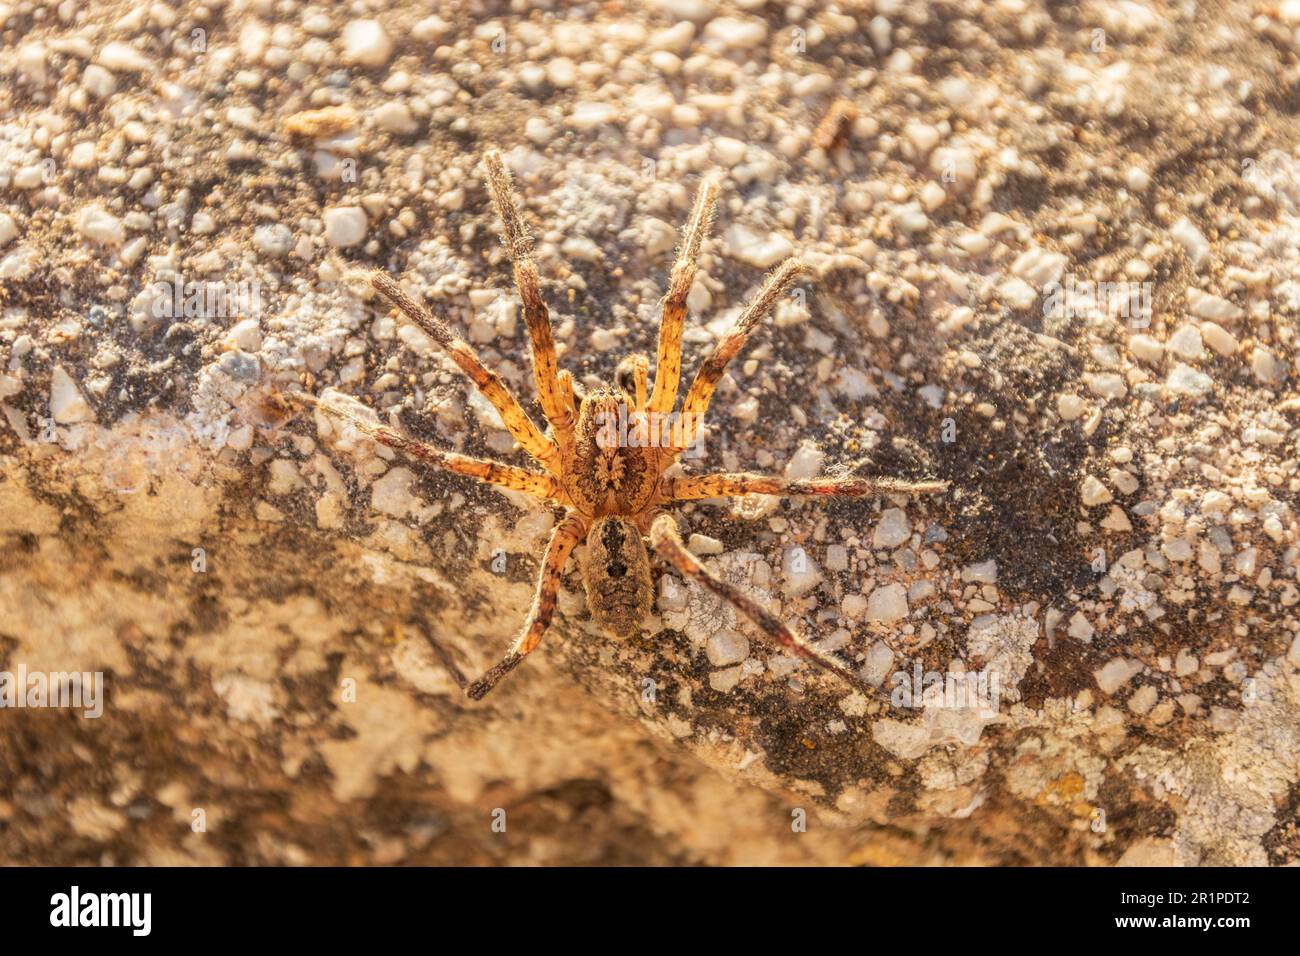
column 1020, row 238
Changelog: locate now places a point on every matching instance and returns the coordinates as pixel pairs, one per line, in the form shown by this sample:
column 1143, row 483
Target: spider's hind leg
column 737, row 484
column 566, row 535
column 668, row 543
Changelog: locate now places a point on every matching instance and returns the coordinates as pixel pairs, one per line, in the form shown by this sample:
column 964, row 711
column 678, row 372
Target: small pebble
column 365, row 43
column 345, row 226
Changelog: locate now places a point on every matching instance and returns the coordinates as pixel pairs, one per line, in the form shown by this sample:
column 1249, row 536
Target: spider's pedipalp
column 554, row 399
column 666, row 540
column 494, row 473
column 668, row 367
column 734, row 485
column 631, row 376
column 566, row 535
column 513, row 416
column 710, row 372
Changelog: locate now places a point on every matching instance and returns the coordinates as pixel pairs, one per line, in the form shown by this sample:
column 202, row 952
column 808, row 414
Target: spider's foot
column 479, row 689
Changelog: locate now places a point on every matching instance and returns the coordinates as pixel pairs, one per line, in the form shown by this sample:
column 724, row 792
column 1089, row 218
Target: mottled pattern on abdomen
column 616, row 573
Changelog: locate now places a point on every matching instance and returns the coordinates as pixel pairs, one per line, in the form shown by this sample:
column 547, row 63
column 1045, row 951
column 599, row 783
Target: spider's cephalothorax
column 614, row 470
column 605, row 455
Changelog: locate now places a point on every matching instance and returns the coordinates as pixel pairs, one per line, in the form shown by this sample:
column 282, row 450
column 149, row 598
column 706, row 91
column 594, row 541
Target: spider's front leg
column 513, row 416
column 566, row 535
column 668, row 543
column 541, row 486
column 711, row 371
column 554, row 390
column 668, row 367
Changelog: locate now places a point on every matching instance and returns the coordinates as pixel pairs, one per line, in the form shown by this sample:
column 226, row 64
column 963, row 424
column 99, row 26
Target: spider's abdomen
column 616, row 573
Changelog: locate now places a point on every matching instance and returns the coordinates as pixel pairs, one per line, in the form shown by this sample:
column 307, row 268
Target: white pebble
column 1116, row 520
column 1215, row 502
column 588, row 116
column 124, row 58
column 887, row 604
column 1185, row 343
column 759, row 251
column 1092, row 492
column 245, row 336
column 1115, row 674
column 801, row 573
column 1207, row 306
column 726, row 648
column 1137, row 179
column 880, row 661
column 273, row 240
column 1108, row 385
column 853, row 605
column 933, row 196
column 1193, row 242
column 1185, row 380
column 1070, row 406
column 1146, row 348
column 1219, row 338
column 345, row 226
column 395, row 117
column 1265, row 366
column 985, row 572
column 538, row 131
column 703, row 544
column 97, row 81
column 561, row 73
column 892, row 529
column 1039, row 266
column 922, row 136
column 1143, row 699
column 365, row 43
column 99, row 225
column 696, row 11
column 806, row 462
column 1017, row 293
column 67, row 405
column 734, row 33
column 392, row 494
column 1081, row 628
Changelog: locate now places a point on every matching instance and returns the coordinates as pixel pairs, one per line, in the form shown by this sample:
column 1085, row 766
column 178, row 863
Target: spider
column 614, row 492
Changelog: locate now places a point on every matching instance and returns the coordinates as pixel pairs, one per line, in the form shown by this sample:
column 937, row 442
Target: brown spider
column 613, row 492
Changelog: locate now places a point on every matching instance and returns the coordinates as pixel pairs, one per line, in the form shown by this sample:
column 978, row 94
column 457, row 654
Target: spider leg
column 710, row 373
column 516, row 420
column 723, row 485
column 556, row 400
column 491, row 472
column 668, row 543
column 668, row 366
column 567, row 534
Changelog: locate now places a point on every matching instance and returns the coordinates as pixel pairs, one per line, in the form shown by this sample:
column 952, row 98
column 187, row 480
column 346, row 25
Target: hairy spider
column 614, row 492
